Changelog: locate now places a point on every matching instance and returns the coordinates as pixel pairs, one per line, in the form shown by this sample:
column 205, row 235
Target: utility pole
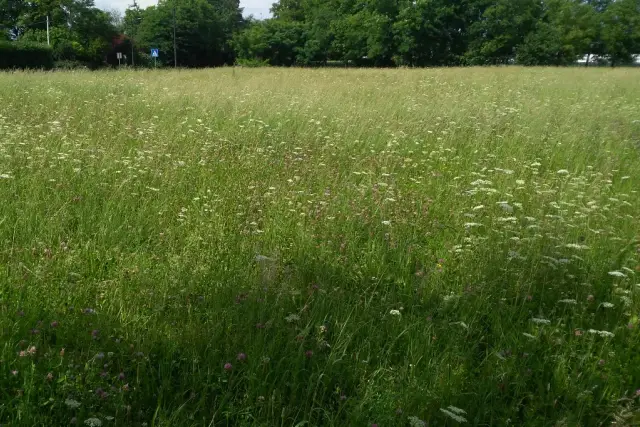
column 175, row 52
column 48, row 43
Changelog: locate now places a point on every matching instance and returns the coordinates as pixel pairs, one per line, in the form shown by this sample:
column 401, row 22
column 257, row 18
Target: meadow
column 337, row 247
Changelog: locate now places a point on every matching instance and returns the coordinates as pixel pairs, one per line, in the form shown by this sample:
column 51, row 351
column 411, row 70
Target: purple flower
column 308, row 354
column 601, row 362
column 88, row 311
column 242, row 357
column 54, row 324
column 121, row 376
column 228, row 366
column 95, row 333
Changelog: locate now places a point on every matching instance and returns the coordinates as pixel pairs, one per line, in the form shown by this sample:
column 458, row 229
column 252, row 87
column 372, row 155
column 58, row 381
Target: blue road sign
column 155, row 52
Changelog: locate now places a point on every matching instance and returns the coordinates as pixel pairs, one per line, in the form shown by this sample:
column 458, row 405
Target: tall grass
column 254, row 247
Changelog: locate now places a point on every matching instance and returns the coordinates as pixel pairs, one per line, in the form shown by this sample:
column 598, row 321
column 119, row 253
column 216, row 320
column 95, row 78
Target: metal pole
column 48, row 43
column 175, row 52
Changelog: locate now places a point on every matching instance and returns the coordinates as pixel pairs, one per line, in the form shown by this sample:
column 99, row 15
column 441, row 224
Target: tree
column 429, row 32
column 274, row 41
column 621, row 31
column 501, row 27
column 78, row 30
column 203, row 30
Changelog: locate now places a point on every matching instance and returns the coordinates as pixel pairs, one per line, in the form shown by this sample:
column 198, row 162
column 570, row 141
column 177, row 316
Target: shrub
column 252, row 62
column 25, row 55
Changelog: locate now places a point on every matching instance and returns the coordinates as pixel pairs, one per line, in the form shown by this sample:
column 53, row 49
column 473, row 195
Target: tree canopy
column 317, row 32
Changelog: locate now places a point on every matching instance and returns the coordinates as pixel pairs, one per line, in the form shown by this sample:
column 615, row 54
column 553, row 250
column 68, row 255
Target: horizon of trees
column 322, row 32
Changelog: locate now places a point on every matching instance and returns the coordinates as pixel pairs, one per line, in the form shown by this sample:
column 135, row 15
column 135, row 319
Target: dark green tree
column 273, row 41
column 621, row 31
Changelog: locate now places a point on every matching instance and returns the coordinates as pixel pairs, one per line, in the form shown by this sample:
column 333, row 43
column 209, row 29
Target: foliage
column 274, row 42
column 25, row 55
column 201, row 33
column 281, row 247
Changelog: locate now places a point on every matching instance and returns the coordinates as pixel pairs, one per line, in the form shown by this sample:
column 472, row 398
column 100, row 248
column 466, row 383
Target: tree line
column 325, row 32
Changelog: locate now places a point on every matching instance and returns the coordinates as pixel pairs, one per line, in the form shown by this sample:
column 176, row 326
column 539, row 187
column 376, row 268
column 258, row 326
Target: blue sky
column 255, row 7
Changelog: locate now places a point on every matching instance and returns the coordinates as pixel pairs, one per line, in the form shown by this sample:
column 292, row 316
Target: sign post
column 119, row 55
column 155, row 52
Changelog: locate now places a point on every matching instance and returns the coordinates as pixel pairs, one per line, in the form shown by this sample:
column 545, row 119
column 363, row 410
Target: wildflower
column 617, row 273
column 589, row 298
column 607, row 305
column 454, row 413
column 416, row 422
column 308, row 354
column 343, row 397
column 100, row 356
column 93, row 422
column 540, row 321
column 394, row 313
column 71, row 403
column 601, row 362
column 14, row 372
column 604, row 334
column 121, row 376
column 292, row 318
column 49, row 376
column 576, row 246
column 62, row 352
column 568, row 301
column 54, row 324
column 577, row 332
column 241, row 357
column 323, row 329
column 563, row 172
column 228, row 366
column 95, row 333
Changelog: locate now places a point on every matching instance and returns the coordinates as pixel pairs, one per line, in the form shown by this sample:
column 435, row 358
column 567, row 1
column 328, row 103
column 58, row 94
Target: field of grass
column 273, row 247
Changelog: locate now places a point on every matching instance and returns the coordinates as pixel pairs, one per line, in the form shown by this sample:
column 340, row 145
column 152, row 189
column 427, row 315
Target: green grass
column 155, row 225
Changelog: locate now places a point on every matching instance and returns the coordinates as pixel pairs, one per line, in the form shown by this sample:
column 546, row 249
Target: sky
column 251, row 7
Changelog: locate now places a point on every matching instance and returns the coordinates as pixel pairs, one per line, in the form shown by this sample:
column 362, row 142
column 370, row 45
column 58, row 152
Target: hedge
column 25, row 55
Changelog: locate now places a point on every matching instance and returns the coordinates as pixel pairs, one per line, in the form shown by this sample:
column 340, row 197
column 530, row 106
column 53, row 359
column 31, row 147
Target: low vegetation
column 261, row 247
